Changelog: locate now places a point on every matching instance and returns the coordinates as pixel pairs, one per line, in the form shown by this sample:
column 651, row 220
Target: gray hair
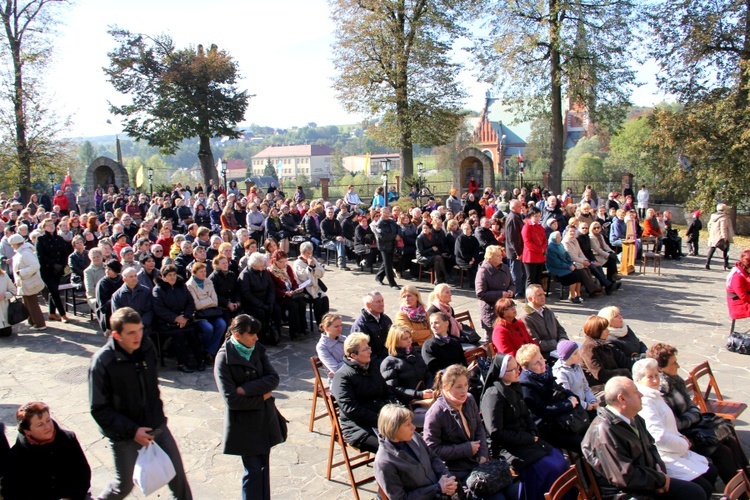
column 306, row 247
column 369, row 296
column 129, row 270
column 95, row 251
column 391, row 418
column 614, row 387
column 643, row 366
column 255, row 259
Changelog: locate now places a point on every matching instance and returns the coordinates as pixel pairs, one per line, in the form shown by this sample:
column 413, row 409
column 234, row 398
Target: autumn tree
column 394, row 66
column 701, row 148
column 29, row 130
column 176, row 94
column 538, row 52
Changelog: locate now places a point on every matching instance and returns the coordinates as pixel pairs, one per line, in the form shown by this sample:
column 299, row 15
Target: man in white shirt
column 642, row 202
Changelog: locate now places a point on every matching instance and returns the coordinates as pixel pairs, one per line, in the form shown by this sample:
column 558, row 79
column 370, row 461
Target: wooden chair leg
column 314, row 406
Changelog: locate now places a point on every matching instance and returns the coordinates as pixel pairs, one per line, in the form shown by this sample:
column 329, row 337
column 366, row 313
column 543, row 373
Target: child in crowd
column 568, row 373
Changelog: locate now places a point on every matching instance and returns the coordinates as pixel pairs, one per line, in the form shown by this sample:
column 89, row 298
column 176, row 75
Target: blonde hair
column 225, row 245
column 412, row 290
column 391, row 418
column 396, row 334
column 609, row 312
column 353, row 342
column 490, row 251
column 435, row 293
column 526, row 353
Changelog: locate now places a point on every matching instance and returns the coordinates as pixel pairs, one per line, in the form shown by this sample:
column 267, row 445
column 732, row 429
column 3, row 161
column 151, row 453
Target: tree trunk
column 742, row 100
column 206, row 158
column 22, row 146
column 556, row 125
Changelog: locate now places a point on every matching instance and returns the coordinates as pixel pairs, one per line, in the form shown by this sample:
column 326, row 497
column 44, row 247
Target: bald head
column 621, row 394
column 515, row 205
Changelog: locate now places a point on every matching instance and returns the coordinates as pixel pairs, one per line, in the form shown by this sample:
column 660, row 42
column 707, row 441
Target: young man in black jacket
column 125, row 402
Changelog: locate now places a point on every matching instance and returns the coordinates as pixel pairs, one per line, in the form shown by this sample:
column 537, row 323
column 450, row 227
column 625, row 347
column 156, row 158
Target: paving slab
column 685, row 306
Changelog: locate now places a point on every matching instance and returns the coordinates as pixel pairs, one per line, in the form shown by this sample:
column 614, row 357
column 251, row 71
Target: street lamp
column 386, row 168
column 51, row 177
column 151, row 180
column 420, row 170
column 224, row 174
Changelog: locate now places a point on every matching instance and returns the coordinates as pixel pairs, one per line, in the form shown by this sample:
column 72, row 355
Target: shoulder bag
column 16, row 311
column 488, row 478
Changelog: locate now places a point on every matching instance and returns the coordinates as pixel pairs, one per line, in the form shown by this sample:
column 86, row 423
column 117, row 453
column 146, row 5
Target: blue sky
column 283, row 48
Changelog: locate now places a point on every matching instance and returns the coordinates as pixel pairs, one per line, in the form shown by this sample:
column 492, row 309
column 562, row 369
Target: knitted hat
column 697, row 214
column 565, row 349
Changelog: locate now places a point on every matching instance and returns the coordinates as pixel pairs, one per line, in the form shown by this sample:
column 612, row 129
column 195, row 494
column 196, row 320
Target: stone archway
column 472, row 161
column 104, row 172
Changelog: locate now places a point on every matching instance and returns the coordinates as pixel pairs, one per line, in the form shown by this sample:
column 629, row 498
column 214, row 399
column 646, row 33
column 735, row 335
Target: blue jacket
column 617, row 232
column 139, row 298
column 558, row 260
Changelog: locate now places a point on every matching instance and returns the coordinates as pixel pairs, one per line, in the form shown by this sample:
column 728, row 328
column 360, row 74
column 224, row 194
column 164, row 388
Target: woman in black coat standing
column 252, row 425
column 52, row 252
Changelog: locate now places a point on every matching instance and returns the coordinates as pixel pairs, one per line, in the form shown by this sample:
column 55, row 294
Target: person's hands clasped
column 181, row 321
column 573, row 400
column 448, row 485
column 474, row 447
column 428, row 394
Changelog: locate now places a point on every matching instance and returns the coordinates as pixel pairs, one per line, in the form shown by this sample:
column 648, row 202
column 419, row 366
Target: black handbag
column 739, row 342
column 322, row 285
column 490, row 477
column 708, row 433
column 209, row 313
column 469, row 335
column 575, row 421
column 721, row 244
column 17, row 312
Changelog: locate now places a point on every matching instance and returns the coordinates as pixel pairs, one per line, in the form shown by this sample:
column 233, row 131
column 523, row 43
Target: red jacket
column 534, row 244
column 738, row 293
column 473, row 186
column 509, row 337
column 61, row 201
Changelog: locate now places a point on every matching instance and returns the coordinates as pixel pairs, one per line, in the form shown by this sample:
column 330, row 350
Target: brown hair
column 26, row 412
column 279, row 255
column 125, row 316
column 446, row 378
column 662, row 353
column 197, row 267
column 217, row 259
column 328, row 320
column 595, row 326
column 501, row 306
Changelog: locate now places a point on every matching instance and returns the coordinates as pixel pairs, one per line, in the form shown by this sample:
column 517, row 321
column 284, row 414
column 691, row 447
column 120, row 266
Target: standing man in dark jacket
column 386, row 231
column 361, row 393
column 125, row 402
column 375, row 323
column 623, row 454
column 514, row 245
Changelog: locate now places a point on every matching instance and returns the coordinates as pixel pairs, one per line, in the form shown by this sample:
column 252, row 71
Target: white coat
column 673, row 447
column 8, row 290
column 303, row 272
column 26, row 270
column 203, row 297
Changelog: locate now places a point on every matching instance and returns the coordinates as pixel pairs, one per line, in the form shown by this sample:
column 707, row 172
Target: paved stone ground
column 685, row 306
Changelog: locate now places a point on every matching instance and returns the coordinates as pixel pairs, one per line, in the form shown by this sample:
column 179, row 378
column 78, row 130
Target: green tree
column 627, row 149
column 176, row 94
column 590, row 145
column 537, row 153
column 270, row 170
column 537, row 52
column 393, row 63
column 590, row 167
column 29, row 129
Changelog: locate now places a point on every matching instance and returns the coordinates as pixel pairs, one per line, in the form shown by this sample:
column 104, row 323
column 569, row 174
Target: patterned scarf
column 415, row 314
column 280, row 273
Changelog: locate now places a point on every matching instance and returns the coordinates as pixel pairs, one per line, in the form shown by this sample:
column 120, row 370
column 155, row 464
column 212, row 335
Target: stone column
column 324, row 187
column 545, row 180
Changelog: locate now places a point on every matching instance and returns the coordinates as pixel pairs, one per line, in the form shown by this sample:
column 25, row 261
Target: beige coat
column 26, row 270
column 7, row 290
column 205, row 297
column 601, row 252
column 574, row 250
column 303, row 272
column 719, row 228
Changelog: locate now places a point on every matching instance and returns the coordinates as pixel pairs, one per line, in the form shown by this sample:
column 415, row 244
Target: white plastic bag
column 153, row 469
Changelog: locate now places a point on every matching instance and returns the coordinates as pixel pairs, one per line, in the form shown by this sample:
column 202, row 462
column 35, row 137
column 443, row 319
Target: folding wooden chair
column 465, row 318
column 319, row 390
column 565, row 484
column 477, row 352
column 727, row 409
column 362, row 459
column 648, row 246
column 738, row 486
column 592, row 492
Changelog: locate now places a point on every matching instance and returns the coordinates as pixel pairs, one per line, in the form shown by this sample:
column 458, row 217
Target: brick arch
column 473, row 160
column 103, row 170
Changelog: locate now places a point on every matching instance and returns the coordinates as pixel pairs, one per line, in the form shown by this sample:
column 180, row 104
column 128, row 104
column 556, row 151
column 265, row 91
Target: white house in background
column 311, row 160
column 359, row 163
column 236, row 169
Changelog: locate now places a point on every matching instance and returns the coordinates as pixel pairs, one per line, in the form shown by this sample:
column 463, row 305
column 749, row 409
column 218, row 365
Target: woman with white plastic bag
column 252, row 424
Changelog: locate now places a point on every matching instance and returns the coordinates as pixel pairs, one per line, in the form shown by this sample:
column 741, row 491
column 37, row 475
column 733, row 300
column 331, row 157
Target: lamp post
column 224, row 174
column 51, row 177
column 384, row 177
column 420, row 170
column 151, row 181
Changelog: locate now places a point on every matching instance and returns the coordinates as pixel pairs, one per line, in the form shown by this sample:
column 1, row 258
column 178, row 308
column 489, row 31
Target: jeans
column 340, row 248
column 212, row 333
column 519, row 275
column 256, row 483
column 126, row 454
